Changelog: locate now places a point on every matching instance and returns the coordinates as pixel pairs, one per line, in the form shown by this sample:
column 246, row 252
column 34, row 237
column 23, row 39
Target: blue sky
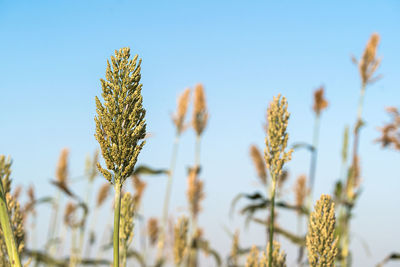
column 54, row 53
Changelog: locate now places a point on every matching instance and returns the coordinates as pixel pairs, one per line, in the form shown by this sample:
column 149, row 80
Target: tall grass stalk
column 171, row 172
column 117, row 211
column 120, row 126
column 179, row 121
column 275, row 154
column 314, row 155
column 320, row 104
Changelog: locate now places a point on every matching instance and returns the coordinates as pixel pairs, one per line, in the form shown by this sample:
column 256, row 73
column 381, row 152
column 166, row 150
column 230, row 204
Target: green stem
column 72, row 258
column 8, row 234
column 82, row 229
column 168, row 195
column 53, row 225
column 193, row 252
column 314, row 155
column 271, row 222
column 358, row 121
column 117, row 210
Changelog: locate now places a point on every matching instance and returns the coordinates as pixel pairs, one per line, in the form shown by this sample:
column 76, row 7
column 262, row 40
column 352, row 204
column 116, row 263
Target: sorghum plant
column 120, row 126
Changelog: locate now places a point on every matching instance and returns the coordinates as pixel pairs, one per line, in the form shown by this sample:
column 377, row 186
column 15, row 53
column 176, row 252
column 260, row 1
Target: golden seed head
column 259, row 163
column 195, row 192
column 320, row 102
column 200, row 113
column 62, row 167
column 179, row 117
column 126, row 219
column 252, row 258
column 104, row 191
column 153, row 230
column 301, row 190
column 277, row 137
column 369, row 62
column 320, row 240
column 120, row 120
column 180, row 239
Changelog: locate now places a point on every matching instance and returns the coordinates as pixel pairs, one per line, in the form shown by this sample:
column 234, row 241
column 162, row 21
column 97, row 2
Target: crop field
column 188, row 135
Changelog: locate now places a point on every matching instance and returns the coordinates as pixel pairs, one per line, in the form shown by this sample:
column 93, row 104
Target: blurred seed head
column 320, row 102
column 179, row 117
column 195, row 192
column 62, row 167
column 200, row 113
column 278, row 256
column 180, row 239
column 301, row 190
column 139, row 187
column 234, row 255
column 369, row 62
column 252, row 259
column 153, row 230
column 91, row 166
column 126, row 218
column 390, row 132
column 259, row 164
column 104, row 192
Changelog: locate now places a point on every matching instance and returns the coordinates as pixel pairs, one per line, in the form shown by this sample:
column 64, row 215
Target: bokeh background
column 53, row 54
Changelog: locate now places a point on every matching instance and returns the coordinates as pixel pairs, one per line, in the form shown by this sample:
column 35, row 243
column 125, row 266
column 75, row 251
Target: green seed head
column 120, row 120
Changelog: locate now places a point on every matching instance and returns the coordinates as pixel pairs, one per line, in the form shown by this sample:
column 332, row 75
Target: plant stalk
column 314, row 155
column 271, row 222
column 168, row 196
column 117, row 209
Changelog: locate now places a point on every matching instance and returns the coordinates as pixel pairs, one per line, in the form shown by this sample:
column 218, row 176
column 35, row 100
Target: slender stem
column 271, row 222
column 91, row 231
column 197, row 152
column 82, row 228
column 193, row 252
column 53, row 224
column 168, row 196
column 8, row 234
column 358, row 121
column 314, row 155
column 72, row 258
column 346, row 221
column 117, row 209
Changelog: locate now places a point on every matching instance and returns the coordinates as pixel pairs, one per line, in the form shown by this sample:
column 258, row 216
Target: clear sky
column 53, row 54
